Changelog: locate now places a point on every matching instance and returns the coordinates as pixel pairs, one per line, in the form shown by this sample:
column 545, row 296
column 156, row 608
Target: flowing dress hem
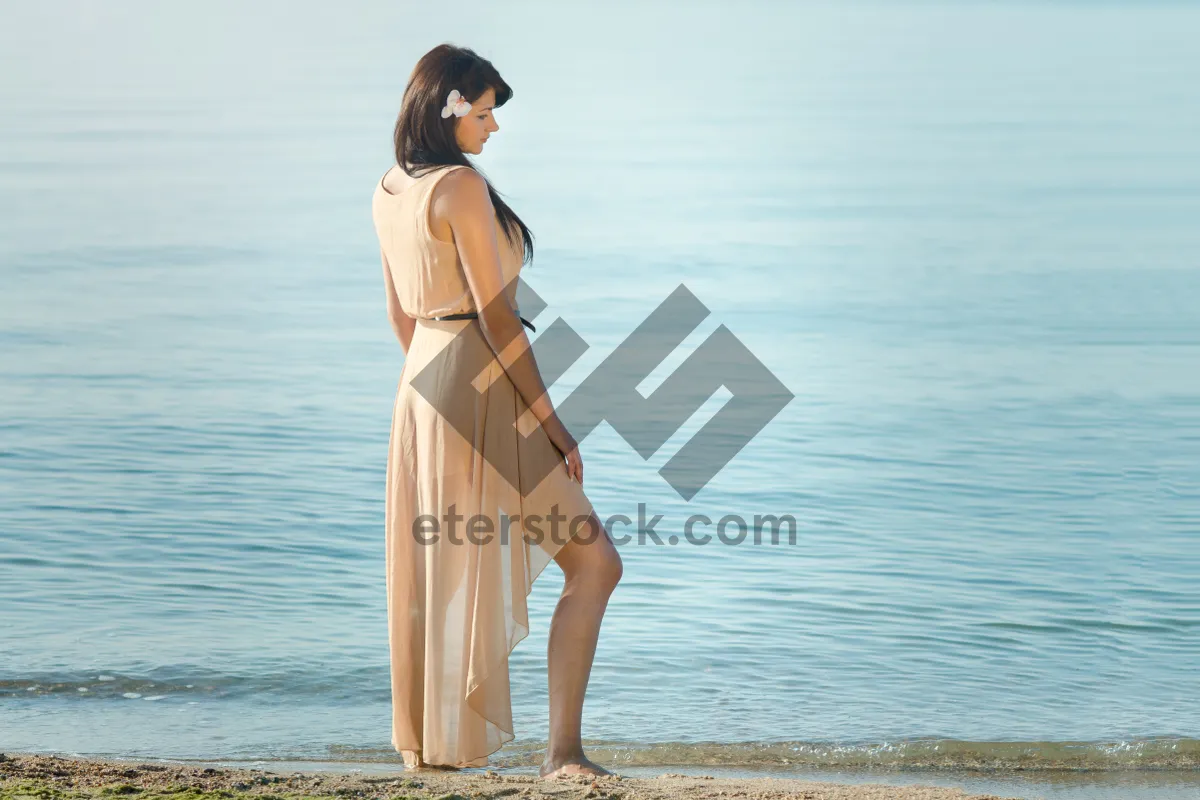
column 410, row 755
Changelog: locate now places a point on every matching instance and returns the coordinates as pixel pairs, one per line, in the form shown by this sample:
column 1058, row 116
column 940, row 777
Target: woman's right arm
column 466, row 205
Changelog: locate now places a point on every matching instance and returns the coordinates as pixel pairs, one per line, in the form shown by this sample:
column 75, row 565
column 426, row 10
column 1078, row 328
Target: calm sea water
column 964, row 236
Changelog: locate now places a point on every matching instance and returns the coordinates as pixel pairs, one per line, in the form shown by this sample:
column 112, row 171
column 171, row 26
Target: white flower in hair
column 456, row 104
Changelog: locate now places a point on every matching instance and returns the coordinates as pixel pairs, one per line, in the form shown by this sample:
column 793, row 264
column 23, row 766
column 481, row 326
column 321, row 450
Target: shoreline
column 51, row 777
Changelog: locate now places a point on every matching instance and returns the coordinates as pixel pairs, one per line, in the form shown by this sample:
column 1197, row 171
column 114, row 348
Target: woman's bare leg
column 592, row 567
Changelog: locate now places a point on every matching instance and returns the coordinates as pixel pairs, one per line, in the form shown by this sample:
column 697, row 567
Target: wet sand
column 41, row 777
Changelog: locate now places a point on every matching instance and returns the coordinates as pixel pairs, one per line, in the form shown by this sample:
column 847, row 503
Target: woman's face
column 473, row 128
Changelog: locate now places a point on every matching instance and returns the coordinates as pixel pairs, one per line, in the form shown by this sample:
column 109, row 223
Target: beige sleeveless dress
column 457, row 607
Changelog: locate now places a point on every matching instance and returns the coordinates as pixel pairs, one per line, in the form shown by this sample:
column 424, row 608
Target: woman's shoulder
column 459, row 178
column 459, row 187
column 397, row 181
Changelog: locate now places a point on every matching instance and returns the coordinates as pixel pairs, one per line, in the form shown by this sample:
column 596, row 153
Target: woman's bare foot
column 579, row 765
column 411, row 763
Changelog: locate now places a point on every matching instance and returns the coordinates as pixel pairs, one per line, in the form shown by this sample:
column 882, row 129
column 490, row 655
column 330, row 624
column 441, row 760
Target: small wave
column 1152, row 753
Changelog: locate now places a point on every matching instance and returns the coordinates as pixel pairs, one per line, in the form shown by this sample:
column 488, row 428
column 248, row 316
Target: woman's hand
column 575, row 464
column 565, row 443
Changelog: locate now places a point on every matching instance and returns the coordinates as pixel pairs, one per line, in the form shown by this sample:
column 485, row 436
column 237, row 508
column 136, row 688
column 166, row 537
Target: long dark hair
column 424, row 138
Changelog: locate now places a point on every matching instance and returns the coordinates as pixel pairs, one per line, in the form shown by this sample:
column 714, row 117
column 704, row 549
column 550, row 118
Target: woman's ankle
column 565, row 754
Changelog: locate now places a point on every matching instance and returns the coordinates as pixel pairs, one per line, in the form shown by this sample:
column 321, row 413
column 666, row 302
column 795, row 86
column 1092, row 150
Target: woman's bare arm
column 466, row 205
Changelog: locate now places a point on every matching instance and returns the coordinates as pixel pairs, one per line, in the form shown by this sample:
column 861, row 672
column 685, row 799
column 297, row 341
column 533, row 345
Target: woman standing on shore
column 452, row 251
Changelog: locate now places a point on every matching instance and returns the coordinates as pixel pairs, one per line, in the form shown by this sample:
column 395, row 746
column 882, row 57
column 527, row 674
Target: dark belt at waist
column 475, row 314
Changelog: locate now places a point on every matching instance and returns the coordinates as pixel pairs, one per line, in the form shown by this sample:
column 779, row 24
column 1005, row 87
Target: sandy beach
column 54, row 777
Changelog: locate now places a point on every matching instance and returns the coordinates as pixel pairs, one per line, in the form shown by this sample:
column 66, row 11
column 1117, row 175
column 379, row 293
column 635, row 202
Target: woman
column 456, row 596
